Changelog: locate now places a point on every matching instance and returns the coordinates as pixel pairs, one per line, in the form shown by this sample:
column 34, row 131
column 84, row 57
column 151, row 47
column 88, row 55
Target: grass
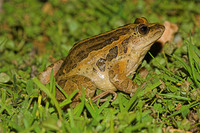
column 33, row 34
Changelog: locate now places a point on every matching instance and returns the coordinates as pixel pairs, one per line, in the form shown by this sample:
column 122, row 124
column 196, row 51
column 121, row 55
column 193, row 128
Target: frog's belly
column 101, row 80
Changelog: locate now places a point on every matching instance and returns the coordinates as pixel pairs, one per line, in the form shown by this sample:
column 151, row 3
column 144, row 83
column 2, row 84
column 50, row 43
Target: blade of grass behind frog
column 191, row 55
column 44, row 89
column 165, row 69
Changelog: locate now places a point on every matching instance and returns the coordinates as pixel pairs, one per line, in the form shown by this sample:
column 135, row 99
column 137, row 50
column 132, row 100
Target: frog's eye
column 143, row 29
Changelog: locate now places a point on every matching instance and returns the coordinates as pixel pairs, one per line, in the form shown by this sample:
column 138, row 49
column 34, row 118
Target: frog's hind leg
column 70, row 84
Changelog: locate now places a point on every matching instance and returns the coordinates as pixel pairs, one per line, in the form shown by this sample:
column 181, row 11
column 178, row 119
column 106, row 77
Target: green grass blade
column 43, row 88
column 52, row 83
column 71, row 118
column 170, row 95
column 192, row 56
column 73, row 93
column 166, row 70
column 4, row 107
column 120, row 103
column 187, row 67
column 103, row 106
column 69, row 99
column 79, row 109
column 92, row 111
column 133, row 99
column 111, row 121
column 184, row 108
column 63, row 92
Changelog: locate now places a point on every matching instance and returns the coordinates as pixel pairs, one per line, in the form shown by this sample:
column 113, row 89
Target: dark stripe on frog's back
column 81, row 49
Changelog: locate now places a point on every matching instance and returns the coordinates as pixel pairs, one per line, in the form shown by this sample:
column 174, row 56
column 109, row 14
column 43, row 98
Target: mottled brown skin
column 105, row 61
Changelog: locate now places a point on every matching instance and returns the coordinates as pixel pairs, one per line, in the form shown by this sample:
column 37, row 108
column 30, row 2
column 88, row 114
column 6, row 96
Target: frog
column 104, row 61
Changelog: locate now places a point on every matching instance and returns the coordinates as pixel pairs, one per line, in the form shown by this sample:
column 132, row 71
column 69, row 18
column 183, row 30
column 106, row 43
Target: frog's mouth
column 157, row 32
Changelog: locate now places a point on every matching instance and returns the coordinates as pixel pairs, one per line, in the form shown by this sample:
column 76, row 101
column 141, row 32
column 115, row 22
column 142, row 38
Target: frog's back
column 81, row 50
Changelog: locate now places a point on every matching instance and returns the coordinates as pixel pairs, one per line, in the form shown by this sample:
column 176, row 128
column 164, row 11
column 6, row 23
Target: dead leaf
column 44, row 76
column 197, row 20
column 143, row 72
column 47, row 8
column 39, row 45
column 168, row 35
column 178, row 107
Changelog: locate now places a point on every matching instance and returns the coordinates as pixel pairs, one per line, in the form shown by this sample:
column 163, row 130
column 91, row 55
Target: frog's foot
column 94, row 99
column 138, row 87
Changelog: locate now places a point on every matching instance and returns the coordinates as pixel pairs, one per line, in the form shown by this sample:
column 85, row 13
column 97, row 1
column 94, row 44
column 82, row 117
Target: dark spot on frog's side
column 101, row 64
column 113, row 52
column 111, row 74
column 124, row 44
column 125, row 49
column 94, row 70
column 74, row 66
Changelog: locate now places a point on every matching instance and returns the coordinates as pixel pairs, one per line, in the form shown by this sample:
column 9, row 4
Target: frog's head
column 145, row 34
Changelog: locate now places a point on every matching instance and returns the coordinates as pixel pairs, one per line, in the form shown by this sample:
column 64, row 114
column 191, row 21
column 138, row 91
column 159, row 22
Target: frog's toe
column 94, row 99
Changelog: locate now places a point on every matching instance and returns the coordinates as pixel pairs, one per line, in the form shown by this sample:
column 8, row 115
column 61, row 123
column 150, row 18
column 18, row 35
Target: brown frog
column 105, row 61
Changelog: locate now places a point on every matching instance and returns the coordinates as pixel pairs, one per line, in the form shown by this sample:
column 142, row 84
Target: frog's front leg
column 119, row 79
